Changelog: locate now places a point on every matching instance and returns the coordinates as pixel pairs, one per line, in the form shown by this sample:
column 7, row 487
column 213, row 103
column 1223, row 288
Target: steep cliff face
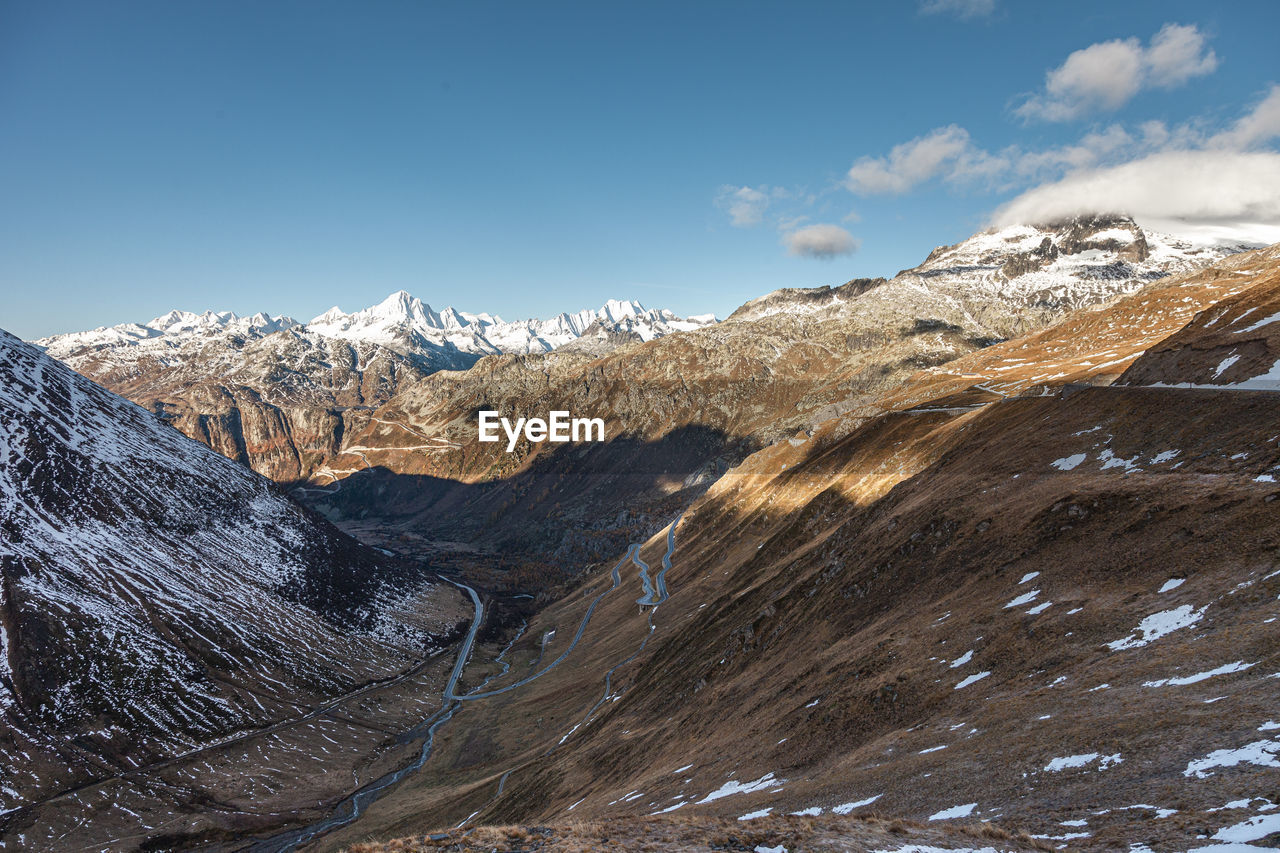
column 279, row 402
column 157, row 596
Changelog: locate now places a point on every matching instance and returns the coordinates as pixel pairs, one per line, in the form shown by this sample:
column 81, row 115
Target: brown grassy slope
column 831, row 595
column 861, row 605
column 676, row 835
column 1232, row 343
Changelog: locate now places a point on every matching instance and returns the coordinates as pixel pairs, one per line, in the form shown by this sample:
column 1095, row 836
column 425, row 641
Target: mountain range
column 279, row 395
column 905, row 564
column 401, row 323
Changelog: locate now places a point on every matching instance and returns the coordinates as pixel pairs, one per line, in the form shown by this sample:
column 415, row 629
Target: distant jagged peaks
column 402, row 317
column 401, row 322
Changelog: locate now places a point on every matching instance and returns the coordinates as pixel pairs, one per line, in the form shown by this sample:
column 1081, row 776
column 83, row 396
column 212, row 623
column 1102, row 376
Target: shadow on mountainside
column 568, row 508
column 938, row 609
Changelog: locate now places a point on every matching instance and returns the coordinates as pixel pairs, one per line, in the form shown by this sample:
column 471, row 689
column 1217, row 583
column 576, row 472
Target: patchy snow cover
column 963, row 659
column 1253, row 829
column 1110, row 460
column 954, row 812
column 1040, row 608
column 1258, row 325
column 1158, row 625
column 1261, row 752
column 1069, row 463
column 1238, row 666
column 845, row 808
column 1066, row 762
column 1025, row 598
column 735, row 787
column 1171, row 584
column 756, row 814
column 928, row 848
column 1029, row 576
column 1225, row 364
column 971, row 679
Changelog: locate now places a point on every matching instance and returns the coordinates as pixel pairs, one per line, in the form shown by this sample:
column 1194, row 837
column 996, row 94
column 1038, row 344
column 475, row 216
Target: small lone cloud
column 964, row 9
column 820, row 241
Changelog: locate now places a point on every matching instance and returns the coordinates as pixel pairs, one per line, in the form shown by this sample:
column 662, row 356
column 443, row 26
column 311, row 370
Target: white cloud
column 1177, row 54
column 820, row 241
column 1207, row 195
column 1261, row 125
column 1093, row 148
column 948, row 154
column 1106, row 75
column 941, row 151
column 959, row 8
column 745, row 205
column 1209, row 187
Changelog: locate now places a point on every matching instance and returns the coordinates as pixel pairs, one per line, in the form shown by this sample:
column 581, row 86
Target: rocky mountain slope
column 1237, row 345
column 157, row 597
column 681, row 409
column 281, row 396
column 1052, row 607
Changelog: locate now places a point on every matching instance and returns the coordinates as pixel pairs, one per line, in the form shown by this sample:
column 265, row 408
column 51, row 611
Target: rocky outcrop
column 281, row 403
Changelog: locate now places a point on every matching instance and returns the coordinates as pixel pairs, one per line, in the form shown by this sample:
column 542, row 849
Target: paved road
column 617, row 581
column 353, row 806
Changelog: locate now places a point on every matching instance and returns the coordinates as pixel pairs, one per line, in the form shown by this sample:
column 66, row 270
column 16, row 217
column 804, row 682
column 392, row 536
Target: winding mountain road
column 355, row 804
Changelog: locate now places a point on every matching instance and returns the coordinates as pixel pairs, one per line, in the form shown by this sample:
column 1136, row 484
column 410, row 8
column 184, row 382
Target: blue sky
column 528, row 158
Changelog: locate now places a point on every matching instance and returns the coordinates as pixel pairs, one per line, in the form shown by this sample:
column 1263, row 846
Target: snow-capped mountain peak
column 1032, row 271
column 403, row 323
column 616, row 309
